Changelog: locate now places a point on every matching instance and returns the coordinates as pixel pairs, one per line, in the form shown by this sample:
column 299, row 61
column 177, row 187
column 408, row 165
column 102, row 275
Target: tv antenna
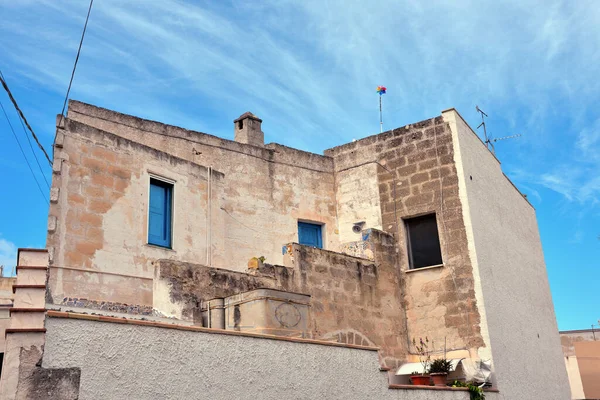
column 489, row 140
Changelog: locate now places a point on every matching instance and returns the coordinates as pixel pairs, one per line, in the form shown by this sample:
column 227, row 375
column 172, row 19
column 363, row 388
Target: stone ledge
column 102, row 318
column 25, row 330
column 408, row 271
column 31, row 267
column 447, row 388
column 22, row 309
column 15, row 287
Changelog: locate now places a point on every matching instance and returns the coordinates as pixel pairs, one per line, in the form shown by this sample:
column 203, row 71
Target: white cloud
column 309, row 69
column 8, row 256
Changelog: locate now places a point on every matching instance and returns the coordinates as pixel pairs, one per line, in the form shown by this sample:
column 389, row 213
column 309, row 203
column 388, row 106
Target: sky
column 309, row 69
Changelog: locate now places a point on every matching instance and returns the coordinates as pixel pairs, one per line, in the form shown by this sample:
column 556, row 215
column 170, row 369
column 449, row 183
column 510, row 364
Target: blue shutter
column 310, row 235
column 159, row 213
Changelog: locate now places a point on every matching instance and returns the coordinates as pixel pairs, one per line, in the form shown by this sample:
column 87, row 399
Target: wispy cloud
column 309, row 69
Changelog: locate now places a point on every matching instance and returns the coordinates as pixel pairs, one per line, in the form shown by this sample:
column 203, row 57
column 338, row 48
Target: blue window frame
column 159, row 213
column 310, row 235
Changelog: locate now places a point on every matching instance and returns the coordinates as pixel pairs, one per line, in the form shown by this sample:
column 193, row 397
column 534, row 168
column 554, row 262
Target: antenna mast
column 487, row 141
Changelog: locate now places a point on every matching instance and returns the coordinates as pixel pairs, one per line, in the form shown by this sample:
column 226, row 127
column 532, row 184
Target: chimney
column 247, row 130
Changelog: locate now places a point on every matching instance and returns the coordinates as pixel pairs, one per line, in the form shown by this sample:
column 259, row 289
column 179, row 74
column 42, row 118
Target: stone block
column 403, row 172
column 52, row 223
column 56, row 165
column 419, row 178
column 407, row 149
column 102, row 180
column 420, row 200
column 54, row 192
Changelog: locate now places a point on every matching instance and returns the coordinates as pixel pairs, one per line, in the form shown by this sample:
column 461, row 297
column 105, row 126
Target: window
column 159, row 213
column 310, row 235
column 423, row 242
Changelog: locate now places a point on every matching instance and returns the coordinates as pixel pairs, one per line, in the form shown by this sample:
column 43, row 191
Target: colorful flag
column 381, row 90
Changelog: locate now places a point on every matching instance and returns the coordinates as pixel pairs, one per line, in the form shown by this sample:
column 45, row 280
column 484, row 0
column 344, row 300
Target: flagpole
column 381, row 90
column 380, row 116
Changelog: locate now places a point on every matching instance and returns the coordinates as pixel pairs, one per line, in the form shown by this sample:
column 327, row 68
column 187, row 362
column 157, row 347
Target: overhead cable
column 23, row 153
column 12, row 99
column 77, row 58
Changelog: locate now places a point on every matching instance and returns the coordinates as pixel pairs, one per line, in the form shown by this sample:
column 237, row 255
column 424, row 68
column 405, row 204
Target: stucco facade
column 581, row 351
column 237, row 201
column 214, row 366
column 511, row 282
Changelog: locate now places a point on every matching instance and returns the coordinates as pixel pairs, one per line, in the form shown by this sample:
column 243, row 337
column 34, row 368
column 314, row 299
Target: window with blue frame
column 310, row 234
column 159, row 213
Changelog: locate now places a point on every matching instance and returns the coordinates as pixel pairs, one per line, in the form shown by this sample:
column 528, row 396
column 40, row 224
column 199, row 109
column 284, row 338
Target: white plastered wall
column 176, row 364
column 517, row 315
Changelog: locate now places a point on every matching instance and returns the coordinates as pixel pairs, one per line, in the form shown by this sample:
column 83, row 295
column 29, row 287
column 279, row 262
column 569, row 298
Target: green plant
column 424, row 353
column 440, row 366
column 475, row 391
column 262, row 259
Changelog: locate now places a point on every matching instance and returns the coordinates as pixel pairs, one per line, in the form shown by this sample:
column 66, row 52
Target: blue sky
column 309, row 69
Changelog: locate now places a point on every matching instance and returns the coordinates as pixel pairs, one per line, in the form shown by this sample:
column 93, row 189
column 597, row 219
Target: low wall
column 178, row 364
column 353, row 300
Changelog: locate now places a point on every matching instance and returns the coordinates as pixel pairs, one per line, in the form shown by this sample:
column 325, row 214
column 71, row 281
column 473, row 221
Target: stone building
column 581, row 350
column 415, row 232
column 6, row 302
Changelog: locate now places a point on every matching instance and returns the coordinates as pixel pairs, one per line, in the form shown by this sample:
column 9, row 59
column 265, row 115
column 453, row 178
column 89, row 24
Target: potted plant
column 422, row 348
column 438, row 370
column 419, row 379
column 475, row 391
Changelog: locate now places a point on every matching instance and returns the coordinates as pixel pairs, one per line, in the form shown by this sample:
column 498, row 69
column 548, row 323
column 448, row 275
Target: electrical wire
column 23, row 153
column 12, row 99
column 31, row 147
column 77, row 57
column 33, row 152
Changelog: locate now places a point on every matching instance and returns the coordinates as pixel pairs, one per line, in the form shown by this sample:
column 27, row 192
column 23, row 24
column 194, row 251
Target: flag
column 381, row 90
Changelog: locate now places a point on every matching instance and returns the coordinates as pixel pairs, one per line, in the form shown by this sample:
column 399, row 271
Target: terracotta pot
column 439, row 378
column 422, row 380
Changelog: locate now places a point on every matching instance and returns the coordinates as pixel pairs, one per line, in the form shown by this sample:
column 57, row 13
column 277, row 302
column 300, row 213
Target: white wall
column 514, row 295
column 574, row 378
column 122, row 361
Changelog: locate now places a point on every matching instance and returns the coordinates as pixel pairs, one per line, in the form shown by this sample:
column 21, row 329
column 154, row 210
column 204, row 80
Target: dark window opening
column 240, row 125
column 423, row 241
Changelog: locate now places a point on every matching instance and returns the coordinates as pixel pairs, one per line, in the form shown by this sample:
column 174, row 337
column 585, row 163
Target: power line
column 22, row 152
column 77, row 57
column 31, row 147
column 33, row 152
column 12, row 99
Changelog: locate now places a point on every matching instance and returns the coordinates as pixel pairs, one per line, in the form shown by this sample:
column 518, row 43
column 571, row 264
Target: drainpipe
column 216, row 313
column 209, row 219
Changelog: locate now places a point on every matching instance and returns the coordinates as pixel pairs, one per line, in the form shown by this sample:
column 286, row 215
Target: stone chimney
column 247, row 130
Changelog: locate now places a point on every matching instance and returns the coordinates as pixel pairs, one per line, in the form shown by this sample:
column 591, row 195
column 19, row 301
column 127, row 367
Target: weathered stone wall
column 353, row 300
column 357, row 200
column 416, row 176
column 181, row 287
column 97, row 228
column 266, row 189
